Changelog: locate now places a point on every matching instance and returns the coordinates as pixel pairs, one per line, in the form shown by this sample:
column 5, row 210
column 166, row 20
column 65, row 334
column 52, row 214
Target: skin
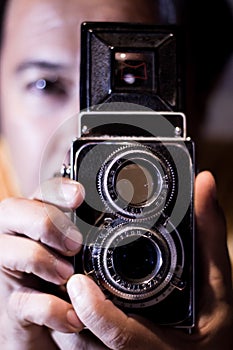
column 32, row 38
column 36, row 235
column 27, row 313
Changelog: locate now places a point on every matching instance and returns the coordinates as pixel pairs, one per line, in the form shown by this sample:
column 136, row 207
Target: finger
column 24, row 255
column 84, row 340
column 113, row 327
column 211, row 229
column 28, row 307
column 41, row 222
column 62, row 192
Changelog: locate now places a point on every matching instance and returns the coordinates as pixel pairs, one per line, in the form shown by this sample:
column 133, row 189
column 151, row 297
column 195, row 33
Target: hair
column 3, row 4
column 208, row 24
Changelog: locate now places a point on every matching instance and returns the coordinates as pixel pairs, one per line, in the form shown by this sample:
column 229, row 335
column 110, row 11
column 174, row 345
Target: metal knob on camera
column 65, row 170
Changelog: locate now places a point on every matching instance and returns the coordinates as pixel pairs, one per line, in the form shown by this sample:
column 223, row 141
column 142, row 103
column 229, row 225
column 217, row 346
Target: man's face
column 40, row 77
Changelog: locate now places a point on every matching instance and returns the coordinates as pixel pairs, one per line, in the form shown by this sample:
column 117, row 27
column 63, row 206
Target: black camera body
column 137, row 166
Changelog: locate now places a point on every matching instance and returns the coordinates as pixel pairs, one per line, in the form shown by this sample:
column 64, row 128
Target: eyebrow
column 41, row 65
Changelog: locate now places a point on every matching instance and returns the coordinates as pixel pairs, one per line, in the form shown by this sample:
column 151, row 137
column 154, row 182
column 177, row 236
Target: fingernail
column 74, row 286
column 214, row 193
column 73, row 320
column 71, row 190
column 64, row 270
column 73, row 239
column 81, row 190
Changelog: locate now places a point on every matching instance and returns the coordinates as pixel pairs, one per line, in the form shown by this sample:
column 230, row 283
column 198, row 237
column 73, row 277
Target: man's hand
column 35, row 237
column 214, row 324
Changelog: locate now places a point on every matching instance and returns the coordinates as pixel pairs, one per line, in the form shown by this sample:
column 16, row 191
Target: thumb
column 212, row 253
column 108, row 323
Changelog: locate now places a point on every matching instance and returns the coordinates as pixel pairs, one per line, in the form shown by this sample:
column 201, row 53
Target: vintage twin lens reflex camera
column 137, row 166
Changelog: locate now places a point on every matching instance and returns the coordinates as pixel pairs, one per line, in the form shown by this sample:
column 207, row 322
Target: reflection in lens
column 135, row 184
column 137, row 258
column 129, row 78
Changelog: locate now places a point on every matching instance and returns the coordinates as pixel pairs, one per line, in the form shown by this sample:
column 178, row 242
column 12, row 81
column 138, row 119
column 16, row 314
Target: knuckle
column 46, row 221
column 47, row 226
column 41, row 262
column 51, row 227
column 35, row 258
column 6, row 201
column 119, row 340
column 46, row 229
column 51, row 305
column 6, row 205
column 18, row 305
column 89, row 315
column 22, row 309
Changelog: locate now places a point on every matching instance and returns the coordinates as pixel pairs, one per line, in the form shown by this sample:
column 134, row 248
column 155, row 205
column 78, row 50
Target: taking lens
column 133, row 262
column 137, row 258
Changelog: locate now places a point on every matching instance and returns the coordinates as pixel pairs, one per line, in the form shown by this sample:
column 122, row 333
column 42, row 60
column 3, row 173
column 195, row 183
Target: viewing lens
column 133, row 182
column 136, row 184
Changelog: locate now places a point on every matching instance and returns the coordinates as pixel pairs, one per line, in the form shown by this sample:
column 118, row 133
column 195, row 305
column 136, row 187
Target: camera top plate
column 162, row 125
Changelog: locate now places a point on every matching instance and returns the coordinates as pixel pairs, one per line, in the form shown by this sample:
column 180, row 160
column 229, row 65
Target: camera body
column 137, row 166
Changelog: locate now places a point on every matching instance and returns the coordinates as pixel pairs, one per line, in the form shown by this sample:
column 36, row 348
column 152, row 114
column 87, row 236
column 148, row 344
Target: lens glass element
column 135, row 183
column 137, row 258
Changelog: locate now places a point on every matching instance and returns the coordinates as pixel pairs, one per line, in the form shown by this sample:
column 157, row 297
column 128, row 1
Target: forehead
column 54, row 13
column 56, row 22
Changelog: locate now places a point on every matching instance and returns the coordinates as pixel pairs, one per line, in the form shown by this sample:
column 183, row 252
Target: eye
column 51, row 86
